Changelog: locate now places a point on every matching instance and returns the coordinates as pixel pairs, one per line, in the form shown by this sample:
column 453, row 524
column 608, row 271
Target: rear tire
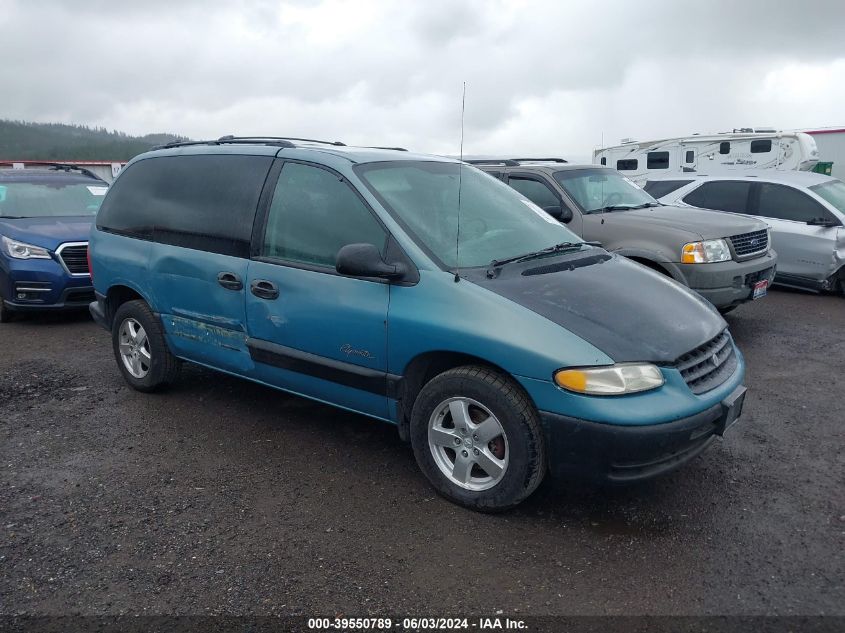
column 477, row 438
column 140, row 348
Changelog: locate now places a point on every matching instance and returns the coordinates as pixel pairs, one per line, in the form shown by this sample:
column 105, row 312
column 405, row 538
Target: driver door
column 545, row 196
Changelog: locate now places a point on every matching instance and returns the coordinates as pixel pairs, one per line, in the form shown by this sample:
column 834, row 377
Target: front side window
column 722, row 195
column 602, row 189
column 50, row 198
column 314, row 213
column 832, row 191
column 657, row 160
column 496, row 222
column 535, row 191
column 786, row 203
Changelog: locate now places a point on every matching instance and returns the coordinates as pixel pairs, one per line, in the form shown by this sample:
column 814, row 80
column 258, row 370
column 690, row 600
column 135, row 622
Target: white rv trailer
column 711, row 154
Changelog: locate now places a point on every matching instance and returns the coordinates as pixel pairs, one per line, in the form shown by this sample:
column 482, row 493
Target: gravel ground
column 221, row 496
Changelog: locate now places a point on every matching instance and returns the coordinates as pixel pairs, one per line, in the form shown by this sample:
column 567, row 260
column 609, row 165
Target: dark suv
column 725, row 258
column 46, row 212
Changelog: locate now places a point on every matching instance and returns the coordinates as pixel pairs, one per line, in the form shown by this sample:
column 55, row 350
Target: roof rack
column 279, row 141
column 512, row 162
column 397, row 149
column 53, row 166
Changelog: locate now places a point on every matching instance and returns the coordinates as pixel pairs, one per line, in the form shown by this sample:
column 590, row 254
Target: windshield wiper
column 563, row 246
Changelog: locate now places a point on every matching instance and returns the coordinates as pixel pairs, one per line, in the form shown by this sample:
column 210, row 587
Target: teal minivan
column 416, row 290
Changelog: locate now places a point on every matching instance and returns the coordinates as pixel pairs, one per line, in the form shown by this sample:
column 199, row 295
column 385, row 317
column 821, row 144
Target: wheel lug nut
column 475, row 451
column 475, row 437
column 464, row 453
column 457, row 441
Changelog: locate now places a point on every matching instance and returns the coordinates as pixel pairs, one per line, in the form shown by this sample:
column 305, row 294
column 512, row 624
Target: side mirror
column 559, row 213
column 825, row 222
column 364, row 260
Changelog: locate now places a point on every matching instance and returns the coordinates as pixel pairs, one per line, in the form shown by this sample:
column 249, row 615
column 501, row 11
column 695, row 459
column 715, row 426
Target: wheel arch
column 425, row 366
column 119, row 294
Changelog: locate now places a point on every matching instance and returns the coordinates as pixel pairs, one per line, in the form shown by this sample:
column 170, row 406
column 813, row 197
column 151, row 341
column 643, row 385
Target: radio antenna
column 460, row 182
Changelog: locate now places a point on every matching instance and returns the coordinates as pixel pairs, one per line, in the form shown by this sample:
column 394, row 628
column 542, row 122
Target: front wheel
column 140, row 349
column 477, row 438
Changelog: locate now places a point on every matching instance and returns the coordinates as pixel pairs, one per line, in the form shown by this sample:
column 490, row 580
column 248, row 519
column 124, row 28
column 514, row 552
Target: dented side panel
column 204, row 321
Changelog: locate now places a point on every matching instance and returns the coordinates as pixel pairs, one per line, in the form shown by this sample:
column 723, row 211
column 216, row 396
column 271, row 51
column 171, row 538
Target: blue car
column 419, row 291
column 46, row 213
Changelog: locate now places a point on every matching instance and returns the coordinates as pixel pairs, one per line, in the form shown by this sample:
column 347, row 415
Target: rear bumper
column 727, row 284
column 618, row 454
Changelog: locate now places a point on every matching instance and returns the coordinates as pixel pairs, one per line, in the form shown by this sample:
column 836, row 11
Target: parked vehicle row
column 551, row 317
column 806, row 213
column 725, row 258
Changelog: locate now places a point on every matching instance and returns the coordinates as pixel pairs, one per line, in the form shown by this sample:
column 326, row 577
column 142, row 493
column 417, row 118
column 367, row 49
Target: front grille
column 709, row 365
column 750, row 243
column 75, row 258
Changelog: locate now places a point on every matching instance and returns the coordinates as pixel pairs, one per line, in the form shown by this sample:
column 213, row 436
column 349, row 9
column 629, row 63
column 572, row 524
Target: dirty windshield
column 496, row 222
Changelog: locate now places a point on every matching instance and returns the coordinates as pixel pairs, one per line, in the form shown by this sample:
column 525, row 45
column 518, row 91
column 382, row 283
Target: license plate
column 733, row 409
column 760, row 289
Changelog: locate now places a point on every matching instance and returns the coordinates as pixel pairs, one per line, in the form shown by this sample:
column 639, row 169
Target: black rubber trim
column 355, row 376
column 98, row 312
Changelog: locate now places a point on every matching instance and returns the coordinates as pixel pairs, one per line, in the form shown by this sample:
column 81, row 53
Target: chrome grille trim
column 748, row 244
column 73, row 256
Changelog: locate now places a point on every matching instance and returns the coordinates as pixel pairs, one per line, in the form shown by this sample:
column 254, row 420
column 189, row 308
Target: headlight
column 705, row 252
column 612, row 380
column 22, row 250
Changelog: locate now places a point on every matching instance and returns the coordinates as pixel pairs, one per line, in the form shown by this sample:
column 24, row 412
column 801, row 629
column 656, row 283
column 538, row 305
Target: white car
column 805, row 210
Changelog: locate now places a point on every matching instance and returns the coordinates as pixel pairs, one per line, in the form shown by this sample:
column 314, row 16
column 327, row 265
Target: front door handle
column 230, row 281
column 264, row 289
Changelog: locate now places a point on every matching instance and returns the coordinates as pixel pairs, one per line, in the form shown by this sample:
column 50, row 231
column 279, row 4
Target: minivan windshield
column 496, row 222
column 597, row 190
column 50, row 198
column 832, row 191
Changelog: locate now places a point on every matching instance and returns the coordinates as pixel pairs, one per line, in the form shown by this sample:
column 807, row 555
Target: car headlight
column 22, row 250
column 705, row 252
column 612, row 380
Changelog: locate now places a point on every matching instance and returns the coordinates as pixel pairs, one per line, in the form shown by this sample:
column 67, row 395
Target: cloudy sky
column 550, row 78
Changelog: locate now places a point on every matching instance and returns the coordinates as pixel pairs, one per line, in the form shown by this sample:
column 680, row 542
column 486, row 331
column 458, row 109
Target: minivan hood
column 627, row 311
column 47, row 232
column 702, row 222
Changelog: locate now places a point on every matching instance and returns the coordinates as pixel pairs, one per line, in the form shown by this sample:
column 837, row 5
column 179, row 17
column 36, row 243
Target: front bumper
column 619, row 454
column 35, row 285
column 726, row 284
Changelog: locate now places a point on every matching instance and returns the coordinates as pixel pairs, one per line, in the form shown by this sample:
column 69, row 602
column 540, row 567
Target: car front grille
column 708, row 366
column 753, row 243
column 75, row 258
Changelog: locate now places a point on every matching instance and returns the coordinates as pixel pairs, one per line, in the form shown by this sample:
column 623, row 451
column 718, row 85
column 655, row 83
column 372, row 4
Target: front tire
column 477, row 438
column 140, row 349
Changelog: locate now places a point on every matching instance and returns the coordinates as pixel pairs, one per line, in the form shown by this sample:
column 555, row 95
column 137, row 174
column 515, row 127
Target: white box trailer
column 711, row 154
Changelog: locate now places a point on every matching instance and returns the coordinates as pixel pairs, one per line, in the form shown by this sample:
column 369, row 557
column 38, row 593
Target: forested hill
column 20, row 140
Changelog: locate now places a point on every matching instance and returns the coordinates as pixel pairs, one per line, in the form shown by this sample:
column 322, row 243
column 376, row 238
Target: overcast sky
column 552, row 78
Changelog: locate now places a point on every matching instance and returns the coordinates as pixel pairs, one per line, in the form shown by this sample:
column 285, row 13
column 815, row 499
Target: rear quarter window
column 204, row 202
column 722, row 195
column 660, row 188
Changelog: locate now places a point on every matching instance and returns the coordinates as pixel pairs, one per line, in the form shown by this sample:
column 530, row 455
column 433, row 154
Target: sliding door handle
column 230, row 281
column 264, row 289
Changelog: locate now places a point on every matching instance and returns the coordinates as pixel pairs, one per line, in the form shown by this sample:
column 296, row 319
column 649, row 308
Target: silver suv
column 725, row 258
column 806, row 212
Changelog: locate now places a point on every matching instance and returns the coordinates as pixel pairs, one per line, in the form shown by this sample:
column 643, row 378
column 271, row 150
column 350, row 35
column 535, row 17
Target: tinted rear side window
column 626, row 164
column 205, row 202
column 725, row 195
column 657, row 160
column 660, row 188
